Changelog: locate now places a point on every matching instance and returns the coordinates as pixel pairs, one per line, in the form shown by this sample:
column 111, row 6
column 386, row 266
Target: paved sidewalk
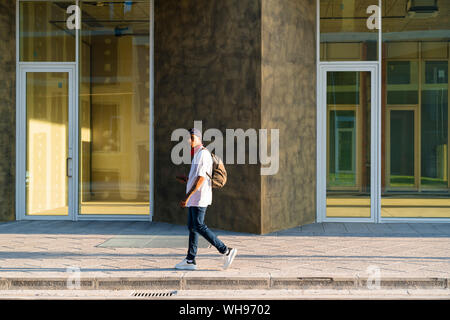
column 141, row 255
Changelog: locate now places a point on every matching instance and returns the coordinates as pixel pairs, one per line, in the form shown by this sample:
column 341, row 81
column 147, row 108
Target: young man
column 198, row 197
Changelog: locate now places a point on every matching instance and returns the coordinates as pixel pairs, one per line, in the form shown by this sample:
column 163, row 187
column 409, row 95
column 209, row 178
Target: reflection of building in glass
column 116, row 81
column 414, row 96
column 114, row 100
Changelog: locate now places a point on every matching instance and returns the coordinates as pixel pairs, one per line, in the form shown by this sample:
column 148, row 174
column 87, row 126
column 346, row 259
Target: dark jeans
column 197, row 226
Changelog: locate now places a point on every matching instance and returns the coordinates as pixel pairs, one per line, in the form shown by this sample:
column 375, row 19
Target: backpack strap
column 213, row 163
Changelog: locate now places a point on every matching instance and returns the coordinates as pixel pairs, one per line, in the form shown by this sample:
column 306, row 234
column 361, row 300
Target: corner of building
column 207, row 68
column 289, row 104
column 7, row 110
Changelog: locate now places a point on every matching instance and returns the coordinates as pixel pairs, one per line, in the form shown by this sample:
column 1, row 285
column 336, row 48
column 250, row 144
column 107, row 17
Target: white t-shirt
column 201, row 164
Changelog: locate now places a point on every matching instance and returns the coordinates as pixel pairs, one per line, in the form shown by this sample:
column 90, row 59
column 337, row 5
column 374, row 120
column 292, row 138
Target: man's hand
column 183, row 203
column 194, row 188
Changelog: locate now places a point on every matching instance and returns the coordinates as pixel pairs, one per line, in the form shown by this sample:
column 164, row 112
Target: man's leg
column 200, row 227
column 193, row 236
column 188, row 263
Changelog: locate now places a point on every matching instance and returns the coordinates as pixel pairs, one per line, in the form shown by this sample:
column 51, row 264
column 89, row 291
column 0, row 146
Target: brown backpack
column 219, row 174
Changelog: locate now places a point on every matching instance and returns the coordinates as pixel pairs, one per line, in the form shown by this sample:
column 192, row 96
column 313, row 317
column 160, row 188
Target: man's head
column 196, row 137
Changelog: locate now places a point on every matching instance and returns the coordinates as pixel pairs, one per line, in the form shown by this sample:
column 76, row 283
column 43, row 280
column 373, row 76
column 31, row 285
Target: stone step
column 219, row 283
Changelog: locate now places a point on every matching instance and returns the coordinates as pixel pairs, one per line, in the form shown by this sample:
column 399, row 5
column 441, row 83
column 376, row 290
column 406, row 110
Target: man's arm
column 197, row 184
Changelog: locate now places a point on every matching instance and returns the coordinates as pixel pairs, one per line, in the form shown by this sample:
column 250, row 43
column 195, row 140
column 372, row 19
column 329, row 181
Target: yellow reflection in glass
column 47, row 143
column 348, row 144
column 415, row 114
column 114, row 109
column 43, row 33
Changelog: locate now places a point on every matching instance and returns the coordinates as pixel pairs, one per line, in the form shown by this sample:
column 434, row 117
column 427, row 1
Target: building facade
column 357, row 91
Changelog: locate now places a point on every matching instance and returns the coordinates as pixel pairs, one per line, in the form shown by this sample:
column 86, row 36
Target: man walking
column 198, row 197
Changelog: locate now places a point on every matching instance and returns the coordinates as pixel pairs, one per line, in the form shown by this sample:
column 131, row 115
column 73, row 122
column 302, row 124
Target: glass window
column 114, row 107
column 402, row 154
column 402, row 82
column 348, row 144
column 415, row 119
column 344, row 31
column 44, row 35
column 47, row 104
column 434, row 126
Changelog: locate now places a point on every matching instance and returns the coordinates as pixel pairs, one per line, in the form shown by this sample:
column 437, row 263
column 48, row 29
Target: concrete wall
column 207, row 67
column 288, row 103
column 7, row 109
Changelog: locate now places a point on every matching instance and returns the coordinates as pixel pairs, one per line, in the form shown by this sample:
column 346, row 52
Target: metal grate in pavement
column 153, row 294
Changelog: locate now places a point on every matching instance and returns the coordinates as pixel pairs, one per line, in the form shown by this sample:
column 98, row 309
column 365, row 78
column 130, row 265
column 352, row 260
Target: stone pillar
column 288, row 102
column 207, row 67
column 7, row 109
column 239, row 64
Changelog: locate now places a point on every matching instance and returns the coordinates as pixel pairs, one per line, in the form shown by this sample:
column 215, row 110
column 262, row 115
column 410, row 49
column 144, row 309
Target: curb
column 219, row 283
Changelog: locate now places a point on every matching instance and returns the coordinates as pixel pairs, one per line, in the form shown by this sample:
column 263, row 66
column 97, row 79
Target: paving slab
column 336, row 227
column 357, row 227
column 313, row 227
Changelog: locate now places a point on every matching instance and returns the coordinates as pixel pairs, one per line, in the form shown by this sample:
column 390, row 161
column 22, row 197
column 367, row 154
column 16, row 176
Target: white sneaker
column 229, row 258
column 186, row 265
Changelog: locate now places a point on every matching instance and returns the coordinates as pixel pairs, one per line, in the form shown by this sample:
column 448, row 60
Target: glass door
column 45, row 155
column 346, row 175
